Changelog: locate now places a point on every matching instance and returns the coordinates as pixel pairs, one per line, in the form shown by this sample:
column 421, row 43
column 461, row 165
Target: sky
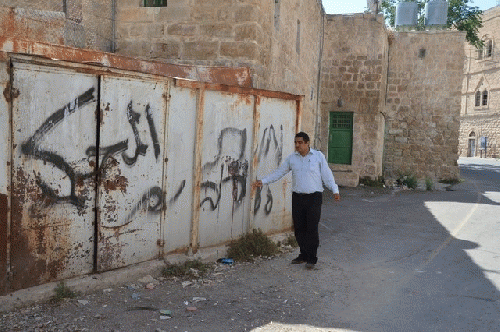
column 359, row 6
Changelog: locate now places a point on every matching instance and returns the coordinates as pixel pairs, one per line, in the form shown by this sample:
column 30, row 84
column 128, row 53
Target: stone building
column 480, row 113
column 376, row 102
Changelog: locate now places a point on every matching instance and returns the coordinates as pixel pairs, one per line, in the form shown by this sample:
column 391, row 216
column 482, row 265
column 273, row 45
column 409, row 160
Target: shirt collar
column 310, row 152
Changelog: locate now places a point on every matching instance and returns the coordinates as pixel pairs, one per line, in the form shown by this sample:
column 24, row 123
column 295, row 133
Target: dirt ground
column 239, row 297
column 266, row 295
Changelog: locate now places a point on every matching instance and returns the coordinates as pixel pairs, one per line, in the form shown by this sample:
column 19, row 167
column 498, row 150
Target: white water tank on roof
column 406, row 14
column 436, row 12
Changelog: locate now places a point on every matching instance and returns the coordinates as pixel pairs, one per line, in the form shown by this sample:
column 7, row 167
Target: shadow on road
column 408, row 261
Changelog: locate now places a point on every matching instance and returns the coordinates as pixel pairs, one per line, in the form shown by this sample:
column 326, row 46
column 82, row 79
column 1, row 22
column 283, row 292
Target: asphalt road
column 415, row 261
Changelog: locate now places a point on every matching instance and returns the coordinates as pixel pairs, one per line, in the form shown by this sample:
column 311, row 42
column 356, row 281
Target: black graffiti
column 225, row 134
column 268, row 207
column 238, row 173
column 236, row 168
column 152, row 131
column 31, row 148
column 152, row 201
column 141, row 148
column 268, row 137
column 179, row 192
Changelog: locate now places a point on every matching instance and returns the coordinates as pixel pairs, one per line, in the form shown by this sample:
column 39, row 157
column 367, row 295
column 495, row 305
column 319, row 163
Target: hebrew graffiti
column 258, row 199
column 270, row 139
column 231, row 145
column 269, row 136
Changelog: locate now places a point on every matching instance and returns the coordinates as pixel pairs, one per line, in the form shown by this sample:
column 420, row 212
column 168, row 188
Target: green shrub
column 250, row 246
column 451, row 181
column 369, row 182
column 62, row 292
column 408, row 180
column 189, row 269
column 429, row 185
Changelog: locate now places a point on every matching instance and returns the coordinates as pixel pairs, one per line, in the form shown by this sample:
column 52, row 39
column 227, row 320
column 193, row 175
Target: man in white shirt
column 309, row 172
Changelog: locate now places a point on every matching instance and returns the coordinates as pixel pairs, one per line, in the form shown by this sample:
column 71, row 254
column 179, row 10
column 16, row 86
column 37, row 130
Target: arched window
column 485, row 98
column 478, row 98
column 472, row 134
column 489, row 49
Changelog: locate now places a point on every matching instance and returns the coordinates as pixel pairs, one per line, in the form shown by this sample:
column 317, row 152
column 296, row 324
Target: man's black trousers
column 306, row 212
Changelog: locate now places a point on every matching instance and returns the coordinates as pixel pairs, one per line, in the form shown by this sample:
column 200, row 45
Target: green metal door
column 340, row 138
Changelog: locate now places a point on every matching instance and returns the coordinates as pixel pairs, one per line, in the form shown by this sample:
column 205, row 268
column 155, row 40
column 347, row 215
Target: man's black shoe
column 298, row 260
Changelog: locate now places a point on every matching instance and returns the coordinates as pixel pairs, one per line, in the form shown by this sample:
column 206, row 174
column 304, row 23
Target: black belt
column 302, row 194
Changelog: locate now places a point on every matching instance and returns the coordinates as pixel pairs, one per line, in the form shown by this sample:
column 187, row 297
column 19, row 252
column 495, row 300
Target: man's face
column 301, row 146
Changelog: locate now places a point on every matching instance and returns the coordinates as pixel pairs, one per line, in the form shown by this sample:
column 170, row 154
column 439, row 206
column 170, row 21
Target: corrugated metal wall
column 107, row 169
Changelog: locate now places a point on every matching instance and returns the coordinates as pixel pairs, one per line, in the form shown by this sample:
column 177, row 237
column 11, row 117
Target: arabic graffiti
column 152, row 200
column 32, row 148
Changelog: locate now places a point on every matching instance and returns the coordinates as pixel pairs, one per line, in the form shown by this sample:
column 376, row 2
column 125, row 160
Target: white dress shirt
column 309, row 173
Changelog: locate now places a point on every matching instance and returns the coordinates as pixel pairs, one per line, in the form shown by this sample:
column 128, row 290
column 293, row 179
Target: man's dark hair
column 304, row 136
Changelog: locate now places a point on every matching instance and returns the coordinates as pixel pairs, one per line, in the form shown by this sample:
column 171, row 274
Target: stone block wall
column 82, row 23
column 353, row 79
column 232, row 33
column 423, row 104
column 481, row 74
column 196, row 32
column 46, row 5
column 476, row 126
column 289, row 64
column 33, row 24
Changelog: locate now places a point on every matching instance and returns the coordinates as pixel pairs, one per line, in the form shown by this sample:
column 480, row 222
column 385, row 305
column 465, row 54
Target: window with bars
column 489, row 49
column 480, row 53
column 478, row 98
column 341, row 121
column 485, row 97
column 155, row 3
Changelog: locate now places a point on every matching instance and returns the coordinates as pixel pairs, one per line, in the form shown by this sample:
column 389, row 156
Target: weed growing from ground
column 451, row 181
column 290, row 241
column 369, row 182
column 252, row 245
column 429, row 185
column 62, row 292
column 190, row 269
column 408, row 180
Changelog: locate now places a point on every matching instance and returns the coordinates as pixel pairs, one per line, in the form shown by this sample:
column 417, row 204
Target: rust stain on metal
column 298, row 114
column 110, row 254
column 39, row 242
column 112, row 179
column 3, row 243
column 239, row 76
column 10, row 94
column 235, row 89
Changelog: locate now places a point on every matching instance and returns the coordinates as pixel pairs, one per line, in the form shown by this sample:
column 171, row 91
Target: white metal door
column 131, row 195
column 53, row 196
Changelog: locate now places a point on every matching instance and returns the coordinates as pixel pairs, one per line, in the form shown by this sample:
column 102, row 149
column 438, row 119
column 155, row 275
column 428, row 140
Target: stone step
column 346, row 178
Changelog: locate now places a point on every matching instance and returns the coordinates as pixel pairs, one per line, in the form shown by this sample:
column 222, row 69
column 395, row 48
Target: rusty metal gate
column 106, row 169
column 63, row 156
column 52, row 236
column 130, row 201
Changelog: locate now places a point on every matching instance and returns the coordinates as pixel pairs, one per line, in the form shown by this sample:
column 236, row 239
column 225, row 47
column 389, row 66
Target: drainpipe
column 317, row 127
